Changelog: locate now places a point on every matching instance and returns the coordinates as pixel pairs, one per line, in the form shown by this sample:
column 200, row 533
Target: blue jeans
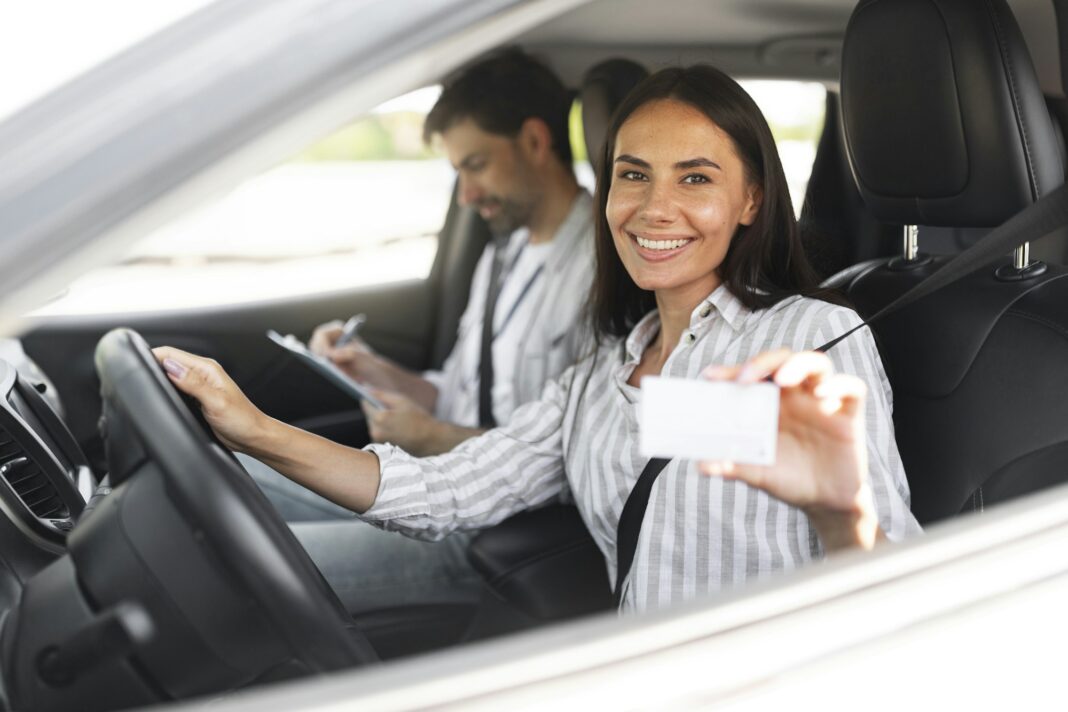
column 370, row 569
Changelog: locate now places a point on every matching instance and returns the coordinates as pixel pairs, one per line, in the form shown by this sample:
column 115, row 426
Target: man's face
column 495, row 177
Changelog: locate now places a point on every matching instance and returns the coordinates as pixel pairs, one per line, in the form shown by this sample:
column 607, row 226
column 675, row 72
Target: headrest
column 603, row 89
column 944, row 119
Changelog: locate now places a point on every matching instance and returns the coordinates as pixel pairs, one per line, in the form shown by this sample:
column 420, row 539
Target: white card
column 708, row 420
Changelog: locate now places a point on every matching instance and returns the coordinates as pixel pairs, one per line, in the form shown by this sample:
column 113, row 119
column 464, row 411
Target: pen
column 348, row 332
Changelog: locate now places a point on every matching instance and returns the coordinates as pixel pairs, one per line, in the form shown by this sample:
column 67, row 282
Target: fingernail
column 173, row 367
column 715, row 372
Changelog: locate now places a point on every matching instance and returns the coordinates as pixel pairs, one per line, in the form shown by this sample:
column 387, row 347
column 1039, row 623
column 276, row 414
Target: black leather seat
column 544, row 563
column 946, row 126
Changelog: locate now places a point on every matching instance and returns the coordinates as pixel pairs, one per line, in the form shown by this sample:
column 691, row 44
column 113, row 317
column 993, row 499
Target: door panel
column 399, row 325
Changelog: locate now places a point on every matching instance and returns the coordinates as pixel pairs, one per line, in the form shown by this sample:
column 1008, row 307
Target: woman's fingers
column 841, row 392
column 762, row 366
column 721, row 373
column 194, row 375
column 788, row 368
column 716, row 468
column 800, row 367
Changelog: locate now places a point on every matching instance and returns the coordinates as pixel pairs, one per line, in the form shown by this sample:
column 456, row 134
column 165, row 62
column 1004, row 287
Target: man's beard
column 511, row 215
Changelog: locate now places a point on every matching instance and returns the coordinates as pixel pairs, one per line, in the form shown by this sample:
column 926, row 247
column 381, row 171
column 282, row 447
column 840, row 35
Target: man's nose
column 468, row 193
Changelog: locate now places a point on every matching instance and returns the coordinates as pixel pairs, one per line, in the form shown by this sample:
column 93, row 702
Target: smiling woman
column 692, row 163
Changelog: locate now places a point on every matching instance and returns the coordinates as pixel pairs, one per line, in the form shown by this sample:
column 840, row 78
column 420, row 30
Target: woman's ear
column 536, row 140
column 754, row 198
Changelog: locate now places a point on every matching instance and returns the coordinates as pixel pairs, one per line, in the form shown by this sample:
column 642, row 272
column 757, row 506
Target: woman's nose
column 658, row 205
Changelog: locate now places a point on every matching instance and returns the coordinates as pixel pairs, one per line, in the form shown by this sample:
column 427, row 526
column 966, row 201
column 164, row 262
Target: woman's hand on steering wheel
column 230, row 414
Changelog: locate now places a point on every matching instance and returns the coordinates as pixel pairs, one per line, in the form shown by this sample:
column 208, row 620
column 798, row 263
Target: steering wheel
column 246, row 552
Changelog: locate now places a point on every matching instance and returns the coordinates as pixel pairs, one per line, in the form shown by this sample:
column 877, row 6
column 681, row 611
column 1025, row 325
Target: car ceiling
column 758, row 38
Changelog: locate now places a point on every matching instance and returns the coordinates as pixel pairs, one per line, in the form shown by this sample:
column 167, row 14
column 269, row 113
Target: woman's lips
column 662, row 247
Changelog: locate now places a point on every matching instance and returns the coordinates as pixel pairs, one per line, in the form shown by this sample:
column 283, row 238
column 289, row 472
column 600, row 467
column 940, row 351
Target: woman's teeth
column 660, row 244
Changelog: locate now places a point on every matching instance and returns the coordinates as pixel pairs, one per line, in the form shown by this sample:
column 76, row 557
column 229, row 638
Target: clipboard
column 324, row 368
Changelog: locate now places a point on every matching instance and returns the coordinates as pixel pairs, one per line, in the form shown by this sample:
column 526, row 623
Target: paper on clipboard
column 324, row 368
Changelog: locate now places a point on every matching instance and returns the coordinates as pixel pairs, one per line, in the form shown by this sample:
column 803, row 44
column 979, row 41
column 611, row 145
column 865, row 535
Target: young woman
column 698, row 263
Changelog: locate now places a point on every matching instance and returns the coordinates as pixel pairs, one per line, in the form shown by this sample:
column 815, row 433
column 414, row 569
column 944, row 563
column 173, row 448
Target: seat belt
column 1032, row 223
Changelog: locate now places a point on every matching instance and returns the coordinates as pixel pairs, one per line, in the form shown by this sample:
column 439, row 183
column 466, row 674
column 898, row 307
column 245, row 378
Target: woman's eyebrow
column 697, row 163
column 627, row 158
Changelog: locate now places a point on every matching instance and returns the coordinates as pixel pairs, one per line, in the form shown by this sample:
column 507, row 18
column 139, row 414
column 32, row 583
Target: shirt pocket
column 541, row 363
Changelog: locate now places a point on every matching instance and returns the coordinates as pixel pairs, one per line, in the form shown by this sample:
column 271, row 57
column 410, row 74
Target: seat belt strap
column 1037, row 220
column 630, row 522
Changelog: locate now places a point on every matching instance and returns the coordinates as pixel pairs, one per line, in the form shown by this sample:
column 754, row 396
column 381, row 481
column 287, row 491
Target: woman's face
column 678, row 193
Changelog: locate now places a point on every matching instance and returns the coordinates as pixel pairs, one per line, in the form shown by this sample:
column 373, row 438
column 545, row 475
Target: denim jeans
column 370, row 569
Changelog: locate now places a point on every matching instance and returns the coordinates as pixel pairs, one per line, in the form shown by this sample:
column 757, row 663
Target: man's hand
column 355, row 358
column 822, row 460
column 409, row 426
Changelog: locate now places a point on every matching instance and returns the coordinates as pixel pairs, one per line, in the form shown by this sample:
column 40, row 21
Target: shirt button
column 705, row 310
column 689, row 338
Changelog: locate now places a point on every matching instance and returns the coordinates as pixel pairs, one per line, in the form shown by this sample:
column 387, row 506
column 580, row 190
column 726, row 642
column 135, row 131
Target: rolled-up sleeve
column 481, row 482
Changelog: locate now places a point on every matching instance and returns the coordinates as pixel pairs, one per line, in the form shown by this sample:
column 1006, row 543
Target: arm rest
column 544, row 563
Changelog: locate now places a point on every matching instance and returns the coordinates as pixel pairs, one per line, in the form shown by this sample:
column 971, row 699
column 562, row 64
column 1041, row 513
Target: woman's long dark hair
column 765, row 262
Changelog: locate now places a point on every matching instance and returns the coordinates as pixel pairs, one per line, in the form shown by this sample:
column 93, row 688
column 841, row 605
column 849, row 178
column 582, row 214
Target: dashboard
column 45, row 479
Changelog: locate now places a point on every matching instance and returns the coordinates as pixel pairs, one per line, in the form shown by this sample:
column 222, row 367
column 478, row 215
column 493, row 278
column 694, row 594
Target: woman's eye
column 696, row 179
column 631, row 175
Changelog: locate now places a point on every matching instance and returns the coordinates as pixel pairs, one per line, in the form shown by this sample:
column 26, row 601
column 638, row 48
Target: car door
column 349, row 226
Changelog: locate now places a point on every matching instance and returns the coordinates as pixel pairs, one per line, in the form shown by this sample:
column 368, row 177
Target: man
column 504, row 125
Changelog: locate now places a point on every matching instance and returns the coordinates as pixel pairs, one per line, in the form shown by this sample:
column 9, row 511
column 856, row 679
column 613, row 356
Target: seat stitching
column 1010, row 76
column 1049, row 323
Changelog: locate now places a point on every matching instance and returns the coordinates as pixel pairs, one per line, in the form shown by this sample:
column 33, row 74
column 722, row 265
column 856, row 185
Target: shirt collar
column 722, row 300
column 640, row 337
column 576, row 227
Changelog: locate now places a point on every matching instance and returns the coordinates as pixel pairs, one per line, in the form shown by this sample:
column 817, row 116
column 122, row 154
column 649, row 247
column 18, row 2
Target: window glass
column 360, row 207
column 579, row 153
column 794, row 111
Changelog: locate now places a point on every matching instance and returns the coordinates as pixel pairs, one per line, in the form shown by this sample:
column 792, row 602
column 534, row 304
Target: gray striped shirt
column 700, row 534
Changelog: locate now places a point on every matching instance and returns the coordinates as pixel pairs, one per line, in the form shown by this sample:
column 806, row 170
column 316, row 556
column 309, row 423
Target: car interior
column 140, row 565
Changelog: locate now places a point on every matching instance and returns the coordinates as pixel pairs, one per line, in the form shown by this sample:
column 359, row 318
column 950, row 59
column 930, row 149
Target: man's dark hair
column 499, row 93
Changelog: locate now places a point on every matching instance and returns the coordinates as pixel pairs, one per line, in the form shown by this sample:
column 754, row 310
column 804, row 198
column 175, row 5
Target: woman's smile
column 656, row 248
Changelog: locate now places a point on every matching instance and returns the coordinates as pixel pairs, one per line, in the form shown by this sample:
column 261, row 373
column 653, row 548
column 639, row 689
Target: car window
column 360, row 207
column 795, row 113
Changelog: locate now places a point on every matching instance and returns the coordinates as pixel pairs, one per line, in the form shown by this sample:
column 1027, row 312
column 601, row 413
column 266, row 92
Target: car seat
column 946, row 126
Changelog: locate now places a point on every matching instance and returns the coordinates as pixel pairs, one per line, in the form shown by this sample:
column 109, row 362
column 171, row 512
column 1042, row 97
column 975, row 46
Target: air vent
column 28, row 481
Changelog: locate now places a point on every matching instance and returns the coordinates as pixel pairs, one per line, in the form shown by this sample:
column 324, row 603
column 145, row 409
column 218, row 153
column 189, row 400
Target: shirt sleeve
column 859, row 356
column 481, row 482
